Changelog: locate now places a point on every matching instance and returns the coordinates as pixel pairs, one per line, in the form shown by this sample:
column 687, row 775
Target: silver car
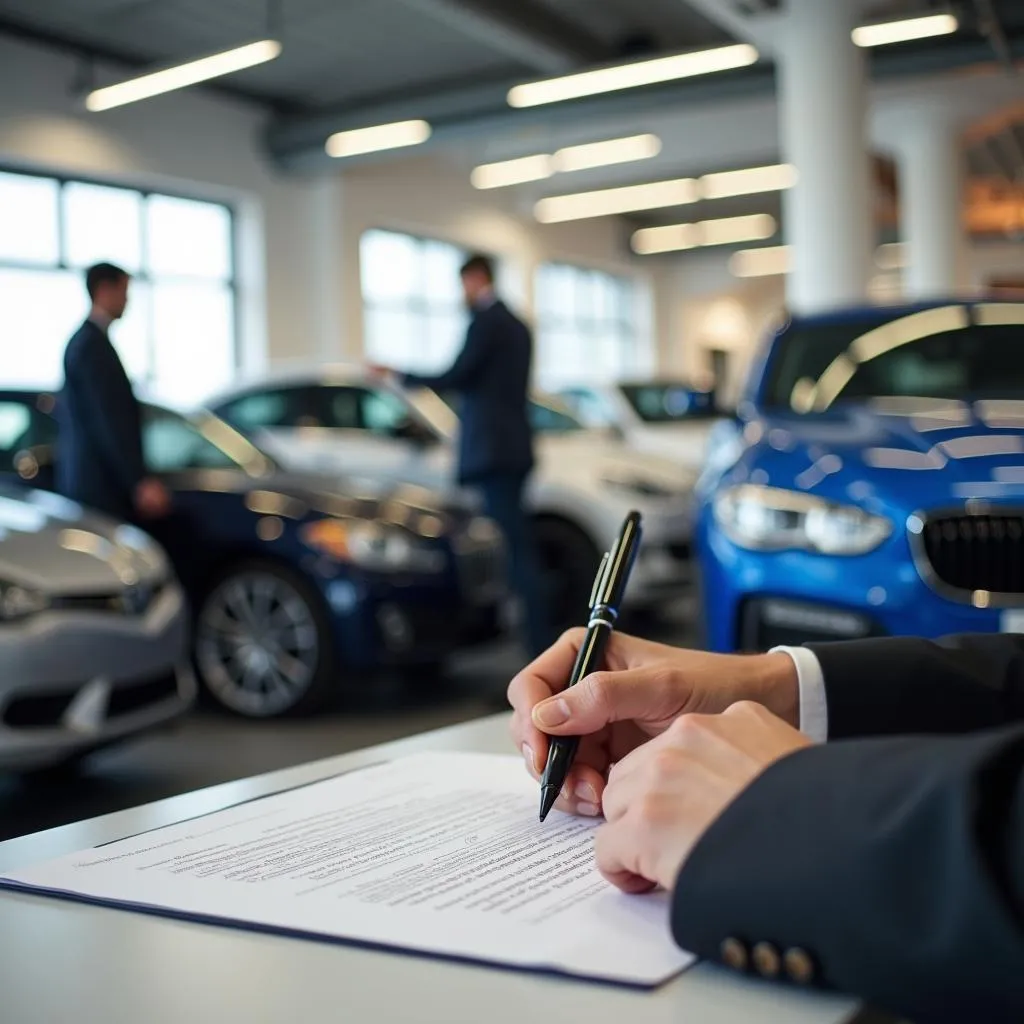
column 93, row 632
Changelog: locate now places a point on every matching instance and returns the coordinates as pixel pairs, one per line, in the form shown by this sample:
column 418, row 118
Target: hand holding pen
column 605, row 601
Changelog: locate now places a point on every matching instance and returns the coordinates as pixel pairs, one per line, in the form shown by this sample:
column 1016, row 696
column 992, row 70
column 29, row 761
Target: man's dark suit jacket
column 492, row 377
column 100, row 462
column 896, row 863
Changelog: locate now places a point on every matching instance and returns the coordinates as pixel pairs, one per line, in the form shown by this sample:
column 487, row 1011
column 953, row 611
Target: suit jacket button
column 799, row 966
column 734, row 954
column 767, row 961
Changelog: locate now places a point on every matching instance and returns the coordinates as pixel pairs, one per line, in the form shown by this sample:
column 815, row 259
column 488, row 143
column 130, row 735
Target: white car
column 342, row 420
column 661, row 417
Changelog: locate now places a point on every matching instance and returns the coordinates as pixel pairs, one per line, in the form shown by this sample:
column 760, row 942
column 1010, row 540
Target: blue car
column 872, row 482
column 298, row 584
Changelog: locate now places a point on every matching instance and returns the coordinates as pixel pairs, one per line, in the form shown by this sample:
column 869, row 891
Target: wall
column 191, row 142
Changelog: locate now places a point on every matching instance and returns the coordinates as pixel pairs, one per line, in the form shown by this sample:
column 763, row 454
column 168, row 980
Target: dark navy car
column 872, row 482
column 296, row 582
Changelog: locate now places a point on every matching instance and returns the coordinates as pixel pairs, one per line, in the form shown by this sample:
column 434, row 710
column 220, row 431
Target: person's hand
column 645, row 687
column 664, row 796
column 152, row 499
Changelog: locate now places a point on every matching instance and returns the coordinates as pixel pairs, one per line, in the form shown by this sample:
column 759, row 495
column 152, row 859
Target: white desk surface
column 64, row 963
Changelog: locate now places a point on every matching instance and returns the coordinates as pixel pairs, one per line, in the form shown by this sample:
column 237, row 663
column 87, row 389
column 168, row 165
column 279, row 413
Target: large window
column 177, row 338
column 413, row 311
column 591, row 325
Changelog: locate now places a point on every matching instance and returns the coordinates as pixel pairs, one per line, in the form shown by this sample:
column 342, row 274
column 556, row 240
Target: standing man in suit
column 491, row 377
column 100, row 463
column 889, row 865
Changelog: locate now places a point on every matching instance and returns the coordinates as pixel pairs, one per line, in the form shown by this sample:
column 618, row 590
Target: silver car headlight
column 773, row 519
column 372, row 545
column 645, row 487
column 18, row 602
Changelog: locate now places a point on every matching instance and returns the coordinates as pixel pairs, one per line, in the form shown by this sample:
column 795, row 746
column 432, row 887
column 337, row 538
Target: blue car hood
column 884, row 461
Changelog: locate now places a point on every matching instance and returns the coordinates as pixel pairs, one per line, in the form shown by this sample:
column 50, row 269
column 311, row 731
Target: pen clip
column 598, row 587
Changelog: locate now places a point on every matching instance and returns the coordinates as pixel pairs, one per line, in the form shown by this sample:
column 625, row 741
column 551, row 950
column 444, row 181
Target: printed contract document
column 439, row 853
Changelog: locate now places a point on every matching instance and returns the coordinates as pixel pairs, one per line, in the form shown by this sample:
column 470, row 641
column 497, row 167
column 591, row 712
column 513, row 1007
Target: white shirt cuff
column 813, row 702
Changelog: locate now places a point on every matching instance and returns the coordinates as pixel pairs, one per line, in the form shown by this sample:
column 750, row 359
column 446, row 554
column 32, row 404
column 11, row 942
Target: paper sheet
column 436, row 853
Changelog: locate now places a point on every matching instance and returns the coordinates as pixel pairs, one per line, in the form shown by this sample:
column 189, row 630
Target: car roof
column 851, row 314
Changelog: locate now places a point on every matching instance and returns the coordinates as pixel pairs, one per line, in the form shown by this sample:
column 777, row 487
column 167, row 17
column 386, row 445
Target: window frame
column 63, row 179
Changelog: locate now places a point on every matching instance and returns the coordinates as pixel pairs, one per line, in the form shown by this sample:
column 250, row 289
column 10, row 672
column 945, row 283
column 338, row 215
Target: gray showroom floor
column 208, row 748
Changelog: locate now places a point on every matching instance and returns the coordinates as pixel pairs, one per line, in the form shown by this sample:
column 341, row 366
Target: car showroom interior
column 613, row 402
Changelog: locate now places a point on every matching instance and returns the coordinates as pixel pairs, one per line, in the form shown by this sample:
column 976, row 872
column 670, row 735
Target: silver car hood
column 55, row 546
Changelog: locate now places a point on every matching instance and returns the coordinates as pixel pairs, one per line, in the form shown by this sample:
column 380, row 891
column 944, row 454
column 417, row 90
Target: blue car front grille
column 972, row 553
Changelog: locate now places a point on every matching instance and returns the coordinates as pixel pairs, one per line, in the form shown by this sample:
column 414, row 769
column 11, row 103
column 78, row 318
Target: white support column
column 929, row 158
column 828, row 213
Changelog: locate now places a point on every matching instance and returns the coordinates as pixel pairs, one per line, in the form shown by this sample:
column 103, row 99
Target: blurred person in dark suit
column 491, row 377
column 100, row 462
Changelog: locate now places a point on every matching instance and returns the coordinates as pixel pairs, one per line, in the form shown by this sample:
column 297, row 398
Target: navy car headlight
column 773, row 519
column 372, row 545
column 17, row 602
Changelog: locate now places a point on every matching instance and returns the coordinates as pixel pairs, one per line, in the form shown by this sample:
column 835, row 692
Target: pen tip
column 548, row 796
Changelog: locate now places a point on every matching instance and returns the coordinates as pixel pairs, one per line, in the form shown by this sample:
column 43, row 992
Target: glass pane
column 188, row 238
column 441, row 264
column 391, row 337
column 102, row 223
column 171, row 444
column 389, row 266
column 343, row 408
column 383, row 412
column 42, row 309
column 29, row 231
column 193, row 340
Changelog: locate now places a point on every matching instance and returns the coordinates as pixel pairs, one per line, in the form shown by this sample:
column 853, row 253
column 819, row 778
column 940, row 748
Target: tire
column 568, row 562
column 263, row 645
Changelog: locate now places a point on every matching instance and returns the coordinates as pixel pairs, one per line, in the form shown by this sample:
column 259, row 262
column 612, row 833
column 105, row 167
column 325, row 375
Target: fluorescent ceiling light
column 571, row 158
column 765, row 262
column 749, row 181
column 632, row 75
column 617, row 200
column 604, row 154
column 512, row 172
column 724, row 231
column 183, row 75
column 377, row 138
column 908, row 28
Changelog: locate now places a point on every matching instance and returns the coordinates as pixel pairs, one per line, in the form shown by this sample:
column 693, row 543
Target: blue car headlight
column 774, row 519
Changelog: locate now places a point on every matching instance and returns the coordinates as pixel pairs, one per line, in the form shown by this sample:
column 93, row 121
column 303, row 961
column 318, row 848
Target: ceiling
column 349, row 63
column 343, row 53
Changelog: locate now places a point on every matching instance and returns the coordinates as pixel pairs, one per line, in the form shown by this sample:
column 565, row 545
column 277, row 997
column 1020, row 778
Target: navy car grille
column 984, row 552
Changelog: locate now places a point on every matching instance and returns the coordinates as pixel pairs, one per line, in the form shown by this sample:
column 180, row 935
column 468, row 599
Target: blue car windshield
column 945, row 354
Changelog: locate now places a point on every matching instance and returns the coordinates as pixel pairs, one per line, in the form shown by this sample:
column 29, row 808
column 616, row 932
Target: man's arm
column 464, row 372
column 114, row 428
column 904, row 684
column 894, row 866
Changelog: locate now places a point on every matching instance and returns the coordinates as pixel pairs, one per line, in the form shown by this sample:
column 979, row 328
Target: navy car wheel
column 263, row 645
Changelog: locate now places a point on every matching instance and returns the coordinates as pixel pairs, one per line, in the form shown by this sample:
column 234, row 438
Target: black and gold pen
column 605, row 601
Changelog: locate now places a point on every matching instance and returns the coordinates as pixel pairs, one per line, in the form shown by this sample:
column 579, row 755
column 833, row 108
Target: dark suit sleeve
column 465, row 371
column 111, row 418
column 904, row 684
column 897, row 864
